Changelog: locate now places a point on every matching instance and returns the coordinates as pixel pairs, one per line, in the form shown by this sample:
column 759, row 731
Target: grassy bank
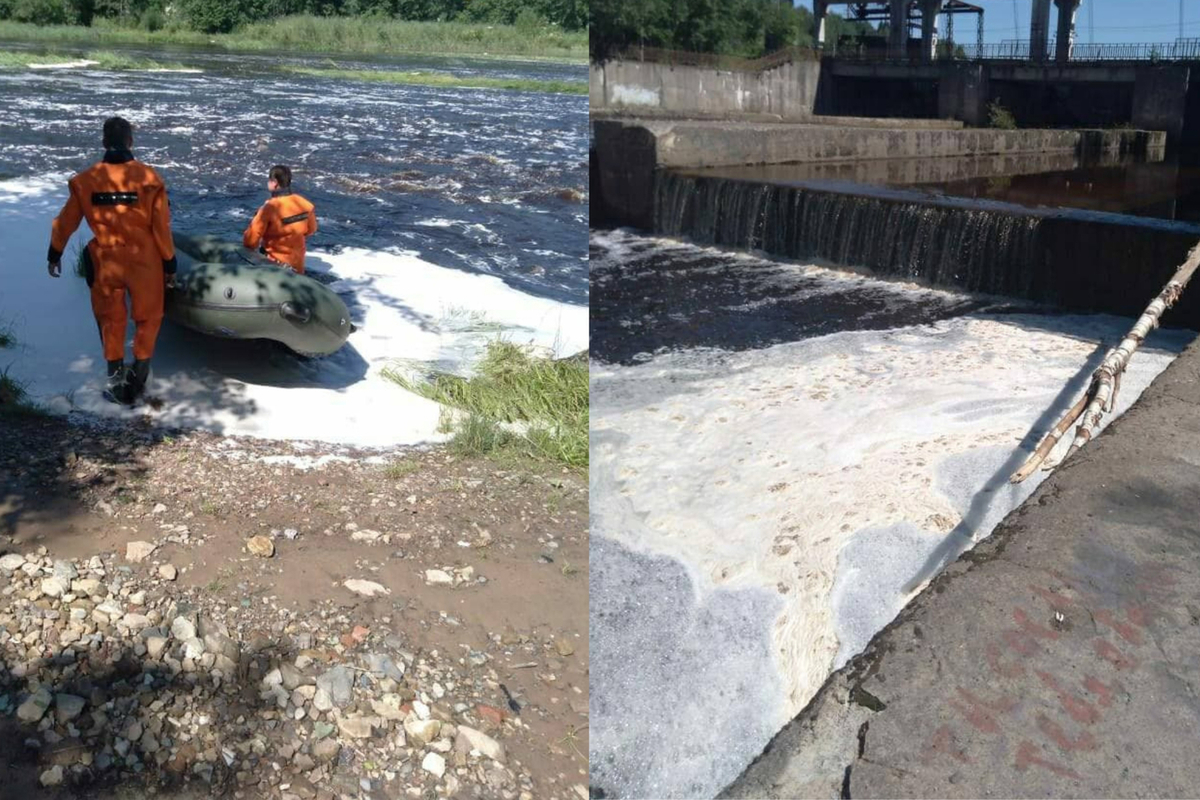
column 517, row 405
column 105, row 59
column 350, row 35
column 443, row 79
column 13, row 399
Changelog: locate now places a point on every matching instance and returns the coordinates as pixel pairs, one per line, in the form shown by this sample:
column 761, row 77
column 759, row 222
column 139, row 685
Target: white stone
column 168, row 572
column 421, row 731
column 434, row 764
column 366, row 588
column 135, row 622
column 55, row 586
column 34, row 706
column 437, row 577
column 138, row 551
column 183, row 628
column 11, row 562
column 470, row 739
column 193, row 648
column 52, row 776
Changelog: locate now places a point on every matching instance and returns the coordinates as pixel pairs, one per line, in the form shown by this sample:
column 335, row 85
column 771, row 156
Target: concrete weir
column 1056, row 659
column 628, row 154
column 1080, row 260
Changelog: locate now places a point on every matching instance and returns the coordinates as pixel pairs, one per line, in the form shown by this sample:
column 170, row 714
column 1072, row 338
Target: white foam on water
column 65, row 64
column 837, row 473
column 408, row 312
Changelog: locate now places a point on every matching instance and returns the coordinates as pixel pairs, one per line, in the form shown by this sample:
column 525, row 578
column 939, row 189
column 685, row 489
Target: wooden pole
column 1106, row 380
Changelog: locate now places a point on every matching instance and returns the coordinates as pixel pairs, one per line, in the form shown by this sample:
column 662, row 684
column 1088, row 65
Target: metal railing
column 1020, row 50
column 1180, row 50
column 1010, row 50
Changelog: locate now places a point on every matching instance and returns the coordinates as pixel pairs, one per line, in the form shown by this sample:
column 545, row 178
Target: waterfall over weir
column 1074, row 259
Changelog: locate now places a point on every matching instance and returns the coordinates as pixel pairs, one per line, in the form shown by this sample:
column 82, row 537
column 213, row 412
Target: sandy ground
column 79, row 492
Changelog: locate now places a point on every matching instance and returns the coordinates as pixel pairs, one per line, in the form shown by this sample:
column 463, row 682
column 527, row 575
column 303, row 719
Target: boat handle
column 294, row 312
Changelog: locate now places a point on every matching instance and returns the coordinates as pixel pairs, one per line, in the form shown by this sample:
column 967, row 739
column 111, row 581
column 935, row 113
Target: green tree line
column 749, row 28
column 222, row 16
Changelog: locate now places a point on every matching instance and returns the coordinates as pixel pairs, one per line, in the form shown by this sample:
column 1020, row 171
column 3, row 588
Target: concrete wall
column 628, row 154
column 698, row 144
column 963, row 93
column 787, row 91
column 1069, row 95
column 1160, row 99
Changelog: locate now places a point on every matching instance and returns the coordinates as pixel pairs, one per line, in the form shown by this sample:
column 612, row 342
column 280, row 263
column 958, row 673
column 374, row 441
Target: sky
column 1101, row 21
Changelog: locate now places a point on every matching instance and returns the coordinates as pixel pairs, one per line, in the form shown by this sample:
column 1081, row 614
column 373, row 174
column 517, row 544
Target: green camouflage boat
column 223, row 289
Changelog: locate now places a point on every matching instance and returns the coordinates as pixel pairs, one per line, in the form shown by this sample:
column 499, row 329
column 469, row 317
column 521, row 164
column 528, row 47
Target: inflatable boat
column 223, row 289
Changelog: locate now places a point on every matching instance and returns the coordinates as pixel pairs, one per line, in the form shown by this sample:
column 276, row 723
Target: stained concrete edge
column 1059, row 658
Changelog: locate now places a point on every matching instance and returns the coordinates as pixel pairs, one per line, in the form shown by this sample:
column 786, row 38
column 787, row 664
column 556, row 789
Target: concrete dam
column 819, row 350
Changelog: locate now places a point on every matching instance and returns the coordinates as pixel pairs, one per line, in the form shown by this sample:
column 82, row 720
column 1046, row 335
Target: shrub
column 41, row 12
column 1000, row 117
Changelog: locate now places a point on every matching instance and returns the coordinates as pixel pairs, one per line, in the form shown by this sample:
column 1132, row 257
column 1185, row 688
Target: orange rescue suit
column 281, row 225
column 125, row 204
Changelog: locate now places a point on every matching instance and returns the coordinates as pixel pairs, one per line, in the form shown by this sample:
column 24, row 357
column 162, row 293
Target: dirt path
column 494, row 643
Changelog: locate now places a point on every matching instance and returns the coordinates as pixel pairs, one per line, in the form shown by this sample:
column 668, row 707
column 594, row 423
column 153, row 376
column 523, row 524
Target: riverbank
column 337, row 35
column 443, row 80
column 308, row 620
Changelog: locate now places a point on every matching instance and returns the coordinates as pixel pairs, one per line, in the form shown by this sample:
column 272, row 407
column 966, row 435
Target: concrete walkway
column 1060, row 658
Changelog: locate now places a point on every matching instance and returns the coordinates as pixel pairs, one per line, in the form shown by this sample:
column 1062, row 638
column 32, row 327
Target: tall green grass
column 443, row 79
column 310, row 34
column 515, row 405
column 13, row 399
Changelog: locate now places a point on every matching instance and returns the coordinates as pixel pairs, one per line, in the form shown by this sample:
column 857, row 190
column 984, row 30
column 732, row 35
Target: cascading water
column 978, row 249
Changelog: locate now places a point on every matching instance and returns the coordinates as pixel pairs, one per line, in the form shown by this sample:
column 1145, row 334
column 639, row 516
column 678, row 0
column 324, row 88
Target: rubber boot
column 117, row 388
column 139, row 373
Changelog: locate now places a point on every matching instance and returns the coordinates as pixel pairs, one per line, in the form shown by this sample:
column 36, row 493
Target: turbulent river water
column 473, row 179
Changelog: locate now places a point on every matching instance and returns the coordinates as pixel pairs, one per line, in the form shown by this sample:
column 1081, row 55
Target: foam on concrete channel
column 780, row 504
column 1057, row 659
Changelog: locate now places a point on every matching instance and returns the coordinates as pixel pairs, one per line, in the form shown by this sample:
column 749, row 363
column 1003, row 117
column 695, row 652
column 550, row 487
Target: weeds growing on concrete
column 1000, row 117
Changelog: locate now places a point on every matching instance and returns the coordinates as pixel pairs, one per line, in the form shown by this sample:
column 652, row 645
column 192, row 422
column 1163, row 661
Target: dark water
column 1163, row 190
column 650, row 295
column 1154, row 186
column 479, row 180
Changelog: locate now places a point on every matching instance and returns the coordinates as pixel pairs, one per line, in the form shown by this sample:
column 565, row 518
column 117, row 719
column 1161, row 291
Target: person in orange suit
column 131, row 252
column 279, row 228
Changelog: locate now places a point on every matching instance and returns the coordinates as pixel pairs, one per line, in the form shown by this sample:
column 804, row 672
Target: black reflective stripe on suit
column 114, row 198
